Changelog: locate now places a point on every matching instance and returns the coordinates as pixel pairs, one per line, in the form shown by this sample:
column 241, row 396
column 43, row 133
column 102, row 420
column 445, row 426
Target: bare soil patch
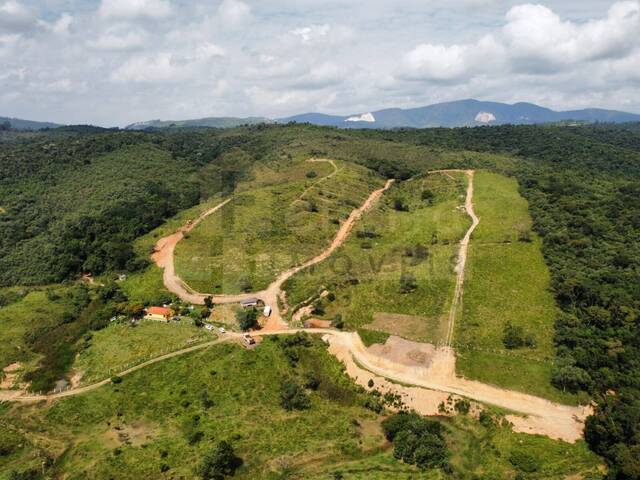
column 405, row 352
column 9, row 375
column 411, row 326
column 135, row 434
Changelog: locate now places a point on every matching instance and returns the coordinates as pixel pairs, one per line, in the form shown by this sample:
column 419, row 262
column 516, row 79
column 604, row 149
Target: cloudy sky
column 113, row 62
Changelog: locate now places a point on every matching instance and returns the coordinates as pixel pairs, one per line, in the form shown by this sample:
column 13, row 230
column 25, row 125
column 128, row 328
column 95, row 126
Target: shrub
column 462, row 405
column 116, row 379
column 427, row 196
column 247, row 318
column 417, row 440
column 293, row 396
column 523, row 461
column 514, row 336
column 311, row 174
column 400, row 205
column 408, row 283
column 219, row 463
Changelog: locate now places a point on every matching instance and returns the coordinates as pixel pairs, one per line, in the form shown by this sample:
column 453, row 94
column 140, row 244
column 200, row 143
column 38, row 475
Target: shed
column 249, row 302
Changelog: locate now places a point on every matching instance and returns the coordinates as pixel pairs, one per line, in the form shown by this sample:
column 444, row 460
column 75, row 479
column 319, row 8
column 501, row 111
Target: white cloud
column 115, row 40
column 312, row 32
column 15, row 17
column 535, row 34
column 233, row 13
column 161, row 67
column 60, row 26
column 134, row 9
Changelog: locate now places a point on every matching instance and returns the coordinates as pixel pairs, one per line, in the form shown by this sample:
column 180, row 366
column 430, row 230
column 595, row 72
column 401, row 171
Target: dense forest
column 73, row 199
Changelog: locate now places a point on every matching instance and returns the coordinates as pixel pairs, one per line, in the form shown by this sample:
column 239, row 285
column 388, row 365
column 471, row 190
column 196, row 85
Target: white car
column 222, row 330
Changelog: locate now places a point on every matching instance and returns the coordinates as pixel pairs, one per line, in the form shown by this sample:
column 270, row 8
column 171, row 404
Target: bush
column 462, row 406
column 311, row 174
column 219, row 463
column 408, row 283
column 247, row 318
column 416, row 440
column 293, row 396
column 514, row 336
column 400, row 205
column 116, row 379
column 523, row 461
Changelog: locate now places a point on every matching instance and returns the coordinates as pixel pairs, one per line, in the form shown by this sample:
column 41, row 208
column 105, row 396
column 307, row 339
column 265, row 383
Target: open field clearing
column 118, row 346
column 418, row 240
column 173, row 412
column 506, row 281
column 265, row 230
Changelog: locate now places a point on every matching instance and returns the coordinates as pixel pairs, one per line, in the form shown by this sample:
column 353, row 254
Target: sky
column 114, row 62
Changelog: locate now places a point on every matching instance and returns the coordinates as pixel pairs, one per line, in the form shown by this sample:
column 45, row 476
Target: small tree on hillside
column 219, row 463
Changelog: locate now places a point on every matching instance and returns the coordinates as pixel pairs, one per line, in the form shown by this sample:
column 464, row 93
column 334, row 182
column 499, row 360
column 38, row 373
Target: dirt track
column 164, row 256
column 462, row 252
column 430, row 384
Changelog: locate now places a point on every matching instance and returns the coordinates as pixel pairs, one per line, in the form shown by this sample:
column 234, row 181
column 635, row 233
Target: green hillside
column 550, row 305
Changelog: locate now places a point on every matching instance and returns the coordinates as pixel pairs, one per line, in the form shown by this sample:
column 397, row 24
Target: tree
column 219, row 463
column 400, row 205
column 247, row 318
column 293, row 396
column 208, row 302
column 514, row 336
column 427, row 196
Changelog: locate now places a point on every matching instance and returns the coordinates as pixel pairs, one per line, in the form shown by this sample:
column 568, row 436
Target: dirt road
column 462, row 253
column 421, row 388
column 164, row 258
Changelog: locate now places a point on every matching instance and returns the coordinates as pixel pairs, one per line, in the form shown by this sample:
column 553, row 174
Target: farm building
column 249, row 302
column 162, row 314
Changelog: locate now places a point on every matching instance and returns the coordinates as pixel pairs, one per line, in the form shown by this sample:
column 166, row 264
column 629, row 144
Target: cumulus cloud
column 233, row 13
column 533, row 40
column 536, row 35
column 118, row 41
column 134, row 9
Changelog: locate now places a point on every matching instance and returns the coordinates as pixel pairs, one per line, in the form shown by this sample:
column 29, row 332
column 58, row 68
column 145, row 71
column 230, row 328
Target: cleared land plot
column 506, row 283
column 420, row 243
column 265, row 230
column 176, row 411
column 118, row 346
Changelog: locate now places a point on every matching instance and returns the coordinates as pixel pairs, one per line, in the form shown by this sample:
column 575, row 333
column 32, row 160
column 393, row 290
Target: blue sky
column 113, row 62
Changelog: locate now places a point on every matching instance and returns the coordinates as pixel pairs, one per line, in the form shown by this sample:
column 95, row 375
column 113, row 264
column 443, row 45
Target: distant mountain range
column 461, row 113
column 27, row 124
column 215, row 122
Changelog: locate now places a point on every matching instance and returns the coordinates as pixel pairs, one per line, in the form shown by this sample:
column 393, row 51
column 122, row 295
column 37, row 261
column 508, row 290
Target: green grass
column 505, row 282
column 119, row 346
column 28, row 314
column 267, row 228
column 161, row 407
column 364, row 274
column 146, row 287
column 369, row 337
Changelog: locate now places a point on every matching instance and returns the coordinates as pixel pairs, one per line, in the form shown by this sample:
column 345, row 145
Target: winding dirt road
column 164, row 258
column 421, row 388
column 542, row 416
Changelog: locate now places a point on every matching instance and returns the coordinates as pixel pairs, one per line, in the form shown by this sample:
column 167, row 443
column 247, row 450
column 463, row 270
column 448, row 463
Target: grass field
column 275, row 221
column 118, row 346
column 506, row 281
column 364, row 274
column 159, row 416
column 34, row 311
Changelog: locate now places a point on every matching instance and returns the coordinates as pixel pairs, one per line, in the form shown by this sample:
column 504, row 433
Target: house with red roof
column 162, row 314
